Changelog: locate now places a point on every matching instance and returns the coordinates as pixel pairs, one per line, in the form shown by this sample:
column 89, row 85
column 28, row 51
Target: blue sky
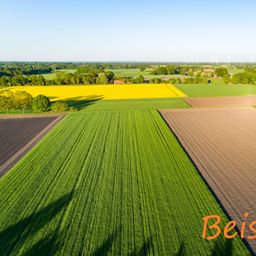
column 128, row 30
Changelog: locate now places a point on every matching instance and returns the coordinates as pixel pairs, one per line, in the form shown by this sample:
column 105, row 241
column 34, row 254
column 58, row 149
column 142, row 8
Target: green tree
column 22, row 100
column 6, row 103
column 111, row 77
column 244, row 78
column 86, row 79
column 138, row 80
column 160, row 71
column 4, row 81
column 19, row 80
column 59, row 107
column 102, row 78
column 221, row 72
column 155, row 81
column 41, row 103
column 226, row 79
column 142, row 68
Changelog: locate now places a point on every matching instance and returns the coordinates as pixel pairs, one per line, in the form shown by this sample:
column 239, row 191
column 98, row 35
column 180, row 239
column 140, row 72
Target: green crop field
column 52, row 76
column 137, row 104
column 131, row 72
column 49, row 76
column 135, row 72
column 205, row 90
column 108, row 182
column 234, row 70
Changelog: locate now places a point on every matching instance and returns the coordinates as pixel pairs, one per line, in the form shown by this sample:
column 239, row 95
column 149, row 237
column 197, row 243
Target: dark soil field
column 236, row 101
column 18, row 134
column 222, row 144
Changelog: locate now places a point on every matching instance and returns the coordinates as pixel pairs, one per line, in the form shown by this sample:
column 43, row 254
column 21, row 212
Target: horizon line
column 129, row 61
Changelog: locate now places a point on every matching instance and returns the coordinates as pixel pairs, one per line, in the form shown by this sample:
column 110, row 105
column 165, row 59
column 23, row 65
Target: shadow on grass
column 15, row 235
column 182, row 250
column 107, row 244
column 83, row 102
column 145, row 249
column 46, row 246
column 223, row 247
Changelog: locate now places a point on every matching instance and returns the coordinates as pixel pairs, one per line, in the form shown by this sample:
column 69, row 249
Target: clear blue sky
column 128, row 30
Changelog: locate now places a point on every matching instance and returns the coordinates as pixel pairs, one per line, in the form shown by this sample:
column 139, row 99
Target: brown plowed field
column 222, row 144
column 18, row 135
column 234, row 101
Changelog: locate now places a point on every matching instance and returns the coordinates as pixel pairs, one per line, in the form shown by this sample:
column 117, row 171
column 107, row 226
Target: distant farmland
column 222, row 144
column 108, row 181
column 53, row 75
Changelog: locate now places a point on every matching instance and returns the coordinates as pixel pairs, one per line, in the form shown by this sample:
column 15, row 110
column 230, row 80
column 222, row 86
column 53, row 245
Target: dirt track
column 19, row 135
column 222, row 144
column 234, row 101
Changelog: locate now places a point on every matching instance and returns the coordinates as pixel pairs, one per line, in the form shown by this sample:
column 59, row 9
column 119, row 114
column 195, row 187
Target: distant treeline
column 61, row 79
column 198, row 74
column 21, row 74
column 24, row 69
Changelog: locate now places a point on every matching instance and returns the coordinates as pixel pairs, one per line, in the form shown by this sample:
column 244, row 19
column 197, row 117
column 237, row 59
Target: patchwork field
column 106, row 92
column 112, row 182
column 18, row 134
column 222, row 144
column 235, row 101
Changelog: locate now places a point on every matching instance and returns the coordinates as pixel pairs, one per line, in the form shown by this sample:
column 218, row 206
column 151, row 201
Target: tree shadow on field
column 48, row 245
column 182, row 250
column 82, row 102
column 145, row 249
column 222, row 248
column 107, row 244
column 16, row 234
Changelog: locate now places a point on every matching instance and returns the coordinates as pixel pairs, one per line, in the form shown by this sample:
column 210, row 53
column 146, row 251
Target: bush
column 72, row 109
column 155, row 81
column 41, row 103
column 60, row 107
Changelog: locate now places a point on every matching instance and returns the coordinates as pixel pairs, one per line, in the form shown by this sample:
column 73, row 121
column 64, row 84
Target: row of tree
column 91, row 77
column 62, row 78
column 169, row 70
column 21, row 100
column 24, row 69
column 21, row 80
column 33, row 68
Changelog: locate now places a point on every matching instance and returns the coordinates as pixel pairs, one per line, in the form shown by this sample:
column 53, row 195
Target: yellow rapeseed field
column 107, row 92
